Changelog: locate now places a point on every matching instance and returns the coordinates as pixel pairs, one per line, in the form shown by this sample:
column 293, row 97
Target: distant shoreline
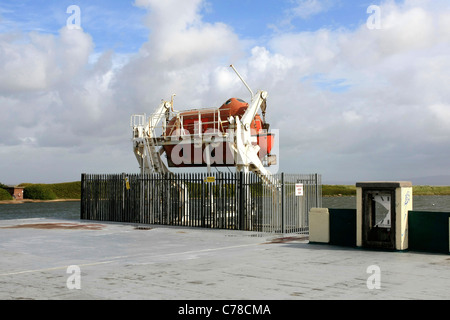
column 350, row 190
column 36, row 201
column 71, row 191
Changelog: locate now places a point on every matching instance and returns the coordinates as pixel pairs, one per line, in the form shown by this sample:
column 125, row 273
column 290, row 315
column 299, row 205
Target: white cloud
column 440, row 121
column 49, row 91
column 308, row 8
column 186, row 39
column 394, row 75
column 37, row 61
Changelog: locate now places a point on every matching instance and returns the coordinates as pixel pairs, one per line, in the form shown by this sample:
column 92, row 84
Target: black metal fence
column 235, row 201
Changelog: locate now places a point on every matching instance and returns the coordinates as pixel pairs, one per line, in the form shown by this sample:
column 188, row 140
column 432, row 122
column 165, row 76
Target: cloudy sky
column 359, row 90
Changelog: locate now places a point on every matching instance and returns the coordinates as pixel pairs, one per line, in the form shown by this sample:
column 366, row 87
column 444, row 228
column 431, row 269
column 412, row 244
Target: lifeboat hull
column 220, row 154
column 191, row 123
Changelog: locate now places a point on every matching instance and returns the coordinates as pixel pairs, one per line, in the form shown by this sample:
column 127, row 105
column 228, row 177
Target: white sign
column 299, row 190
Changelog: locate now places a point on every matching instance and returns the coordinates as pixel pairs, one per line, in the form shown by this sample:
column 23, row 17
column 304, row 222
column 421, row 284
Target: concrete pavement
column 120, row 261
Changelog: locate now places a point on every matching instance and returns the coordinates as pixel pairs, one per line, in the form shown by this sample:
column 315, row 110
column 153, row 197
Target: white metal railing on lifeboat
column 180, row 128
column 138, row 123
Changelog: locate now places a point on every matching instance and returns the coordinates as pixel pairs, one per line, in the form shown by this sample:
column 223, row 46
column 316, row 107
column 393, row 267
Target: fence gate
column 234, row 201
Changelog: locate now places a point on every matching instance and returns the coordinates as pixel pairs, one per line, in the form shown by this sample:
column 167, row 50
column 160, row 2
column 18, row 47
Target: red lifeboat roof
column 233, row 107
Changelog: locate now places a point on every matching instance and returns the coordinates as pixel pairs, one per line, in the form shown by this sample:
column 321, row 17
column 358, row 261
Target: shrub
column 4, row 195
column 39, row 192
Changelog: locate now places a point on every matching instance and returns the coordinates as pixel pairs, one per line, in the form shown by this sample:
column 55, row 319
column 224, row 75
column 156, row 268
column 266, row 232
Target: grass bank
column 431, row 191
column 62, row 191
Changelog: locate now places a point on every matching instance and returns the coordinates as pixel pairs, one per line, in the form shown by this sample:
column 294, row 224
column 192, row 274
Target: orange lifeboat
column 213, row 122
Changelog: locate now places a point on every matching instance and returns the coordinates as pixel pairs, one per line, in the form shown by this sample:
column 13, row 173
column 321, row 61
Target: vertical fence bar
column 153, row 200
column 240, row 188
column 83, row 196
column 283, row 204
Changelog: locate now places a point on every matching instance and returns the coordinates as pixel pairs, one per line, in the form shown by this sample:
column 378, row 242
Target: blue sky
column 350, row 102
column 118, row 25
column 115, row 25
column 257, row 20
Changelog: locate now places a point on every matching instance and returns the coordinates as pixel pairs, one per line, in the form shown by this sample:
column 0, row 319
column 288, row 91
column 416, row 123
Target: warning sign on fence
column 299, row 190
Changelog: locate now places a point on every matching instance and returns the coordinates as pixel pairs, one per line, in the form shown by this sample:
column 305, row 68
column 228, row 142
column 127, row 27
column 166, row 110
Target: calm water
column 71, row 210
column 60, row 210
